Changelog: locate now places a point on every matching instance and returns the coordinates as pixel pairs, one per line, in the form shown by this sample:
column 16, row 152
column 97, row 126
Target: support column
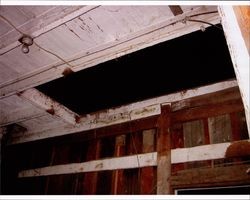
column 164, row 152
column 235, row 22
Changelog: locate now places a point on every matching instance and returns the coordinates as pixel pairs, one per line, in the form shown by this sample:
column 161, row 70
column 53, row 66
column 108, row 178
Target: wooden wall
column 208, row 119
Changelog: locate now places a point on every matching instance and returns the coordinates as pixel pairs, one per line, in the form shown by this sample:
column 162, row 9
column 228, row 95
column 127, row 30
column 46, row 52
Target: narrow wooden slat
column 147, row 173
column 117, row 182
column 90, row 179
column 126, row 162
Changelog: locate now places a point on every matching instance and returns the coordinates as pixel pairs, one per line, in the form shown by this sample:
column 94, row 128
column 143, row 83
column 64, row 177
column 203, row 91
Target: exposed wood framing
column 169, row 29
column 123, row 114
column 176, row 10
column 90, row 179
column 207, row 111
column 19, row 116
column 204, row 152
column 117, row 179
column 164, row 152
column 44, row 102
column 126, row 162
column 42, row 24
column 148, row 180
column 238, row 50
column 217, row 176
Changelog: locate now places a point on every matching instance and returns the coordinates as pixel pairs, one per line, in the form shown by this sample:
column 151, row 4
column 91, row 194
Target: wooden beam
column 199, row 153
column 218, row 176
column 148, row 178
column 90, row 179
column 238, row 50
column 123, row 114
column 207, row 111
column 126, row 162
column 52, row 107
column 164, row 152
column 176, row 10
column 20, row 116
column 42, row 23
column 135, row 41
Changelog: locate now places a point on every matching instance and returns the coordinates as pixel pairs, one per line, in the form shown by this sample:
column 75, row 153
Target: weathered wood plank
column 212, row 176
column 239, row 52
column 132, row 42
column 44, row 102
column 207, row 111
column 137, row 110
column 147, row 185
column 220, row 129
column 164, row 152
column 199, row 153
column 117, row 179
column 207, row 99
column 90, row 179
column 126, row 162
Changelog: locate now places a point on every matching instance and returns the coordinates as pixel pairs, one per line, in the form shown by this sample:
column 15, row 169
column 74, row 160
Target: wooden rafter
column 52, row 107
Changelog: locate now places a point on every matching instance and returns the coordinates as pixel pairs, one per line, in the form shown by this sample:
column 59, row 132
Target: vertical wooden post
column 164, row 152
column 117, row 182
column 147, row 173
column 90, row 179
column 235, row 22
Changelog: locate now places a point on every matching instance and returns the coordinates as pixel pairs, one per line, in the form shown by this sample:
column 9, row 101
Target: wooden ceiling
column 73, row 38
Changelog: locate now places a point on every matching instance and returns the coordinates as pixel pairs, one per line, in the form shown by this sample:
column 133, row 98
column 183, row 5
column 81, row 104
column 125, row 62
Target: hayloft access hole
column 193, row 60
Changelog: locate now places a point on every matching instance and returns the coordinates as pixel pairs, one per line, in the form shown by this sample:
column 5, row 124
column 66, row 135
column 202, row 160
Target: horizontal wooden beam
column 199, row 153
column 207, row 111
column 217, row 176
column 52, row 107
column 149, row 36
column 123, row 114
column 126, row 162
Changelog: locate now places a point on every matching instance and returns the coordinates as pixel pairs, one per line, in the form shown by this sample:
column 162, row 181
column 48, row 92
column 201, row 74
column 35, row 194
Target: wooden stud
column 164, row 152
column 90, row 179
column 147, row 173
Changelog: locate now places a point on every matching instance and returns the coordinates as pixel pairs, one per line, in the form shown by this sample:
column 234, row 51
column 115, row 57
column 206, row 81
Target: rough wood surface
column 126, row 162
column 164, row 152
column 211, row 176
column 207, row 111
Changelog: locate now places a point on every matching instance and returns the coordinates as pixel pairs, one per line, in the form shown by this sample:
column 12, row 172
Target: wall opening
column 190, row 61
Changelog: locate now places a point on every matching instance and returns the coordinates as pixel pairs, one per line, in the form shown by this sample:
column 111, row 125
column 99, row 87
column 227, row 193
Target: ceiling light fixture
column 27, row 41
